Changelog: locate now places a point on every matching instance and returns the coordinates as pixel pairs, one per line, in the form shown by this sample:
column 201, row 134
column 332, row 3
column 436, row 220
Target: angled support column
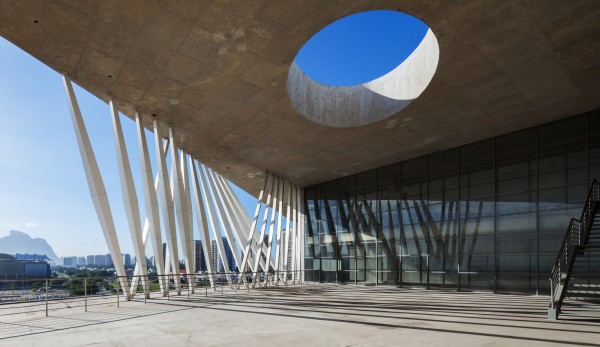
column 152, row 223
column 132, row 210
column 151, row 203
column 187, row 200
column 223, row 216
column 238, row 222
column 167, row 206
column 227, row 223
column 263, row 229
column 248, row 241
column 210, row 213
column 286, row 239
column 201, row 221
column 244, row 219
column 181, row 206
column 96, row 185
column 294, row 235
column 271, row 223
column 301, row 228
column 277, row 233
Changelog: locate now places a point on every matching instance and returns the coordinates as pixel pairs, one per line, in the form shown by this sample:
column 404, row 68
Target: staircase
column 575, row 277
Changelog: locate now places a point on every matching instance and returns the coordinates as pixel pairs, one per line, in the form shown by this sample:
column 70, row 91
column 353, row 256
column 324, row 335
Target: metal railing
column 38, row 294
column 576, row 236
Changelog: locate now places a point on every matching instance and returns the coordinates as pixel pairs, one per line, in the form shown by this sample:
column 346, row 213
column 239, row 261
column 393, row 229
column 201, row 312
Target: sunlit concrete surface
column 300, row 316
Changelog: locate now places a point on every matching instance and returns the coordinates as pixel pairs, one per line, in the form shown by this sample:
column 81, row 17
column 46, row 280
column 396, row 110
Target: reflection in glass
column 490, row 215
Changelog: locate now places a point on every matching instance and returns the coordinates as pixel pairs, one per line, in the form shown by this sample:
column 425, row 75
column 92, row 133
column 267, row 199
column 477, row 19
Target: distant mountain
column 20, row 242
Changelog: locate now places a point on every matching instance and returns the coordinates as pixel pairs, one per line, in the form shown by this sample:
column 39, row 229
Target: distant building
column 100, row 260
column 108, row 260
column 91, row 260
column 283, row 243
column 217, row 262
column 81, row 261
column 199, row 256
column 214, row 252
column 31, row 257
column 11, row 268
column 127, row 259
column 70, row 261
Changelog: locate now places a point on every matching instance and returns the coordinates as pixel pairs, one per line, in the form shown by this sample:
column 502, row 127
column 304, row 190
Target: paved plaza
column 314, row 315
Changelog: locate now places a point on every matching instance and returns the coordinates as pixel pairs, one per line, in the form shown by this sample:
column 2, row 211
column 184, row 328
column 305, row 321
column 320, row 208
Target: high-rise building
column 100, row 260
column 200, row 262
column 70, row 261
column 126, row 259
column 81, row 261
column 217, row 261
column 108, row 260
column 91, row 260
column 283, row 244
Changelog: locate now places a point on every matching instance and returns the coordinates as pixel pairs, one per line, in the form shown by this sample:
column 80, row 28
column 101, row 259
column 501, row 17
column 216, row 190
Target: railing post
column 46, row 297
column 551, row 294
column 85, row 292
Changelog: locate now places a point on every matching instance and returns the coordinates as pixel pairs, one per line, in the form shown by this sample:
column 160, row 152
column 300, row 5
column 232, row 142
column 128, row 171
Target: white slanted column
column 244, row 223
column 187, row 200
column 294, row 236
column 301, row 233
column 167, row 206
column 286, row 239
column 275, row 188
column 210, row 213
column 224, row 218
column 263, row 229
column 132, row 210
column 151, row 204
column 181, row 206
column 248, row 241
column 274, row 232
column 201, row 221
column 96, row 185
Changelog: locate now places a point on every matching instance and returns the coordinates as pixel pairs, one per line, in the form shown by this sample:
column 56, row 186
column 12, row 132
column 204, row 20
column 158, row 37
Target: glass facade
column 490, row 215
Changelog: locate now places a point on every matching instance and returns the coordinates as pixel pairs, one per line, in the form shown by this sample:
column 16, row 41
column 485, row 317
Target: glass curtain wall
column 485, row 216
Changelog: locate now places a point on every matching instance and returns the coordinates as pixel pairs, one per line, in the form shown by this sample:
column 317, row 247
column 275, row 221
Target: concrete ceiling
column 217, row 71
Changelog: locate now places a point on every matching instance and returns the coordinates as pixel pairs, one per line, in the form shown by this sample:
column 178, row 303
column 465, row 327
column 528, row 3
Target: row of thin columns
column 216, row 206
column 271, row 199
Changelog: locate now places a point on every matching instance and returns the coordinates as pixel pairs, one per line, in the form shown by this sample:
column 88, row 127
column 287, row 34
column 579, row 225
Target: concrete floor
column 300, row 316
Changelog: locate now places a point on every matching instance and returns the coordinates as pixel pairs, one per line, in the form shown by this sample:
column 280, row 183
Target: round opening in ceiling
column 363, row 68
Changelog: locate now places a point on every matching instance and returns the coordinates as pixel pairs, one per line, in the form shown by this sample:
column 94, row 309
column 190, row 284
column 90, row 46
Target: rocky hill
column 20, row 242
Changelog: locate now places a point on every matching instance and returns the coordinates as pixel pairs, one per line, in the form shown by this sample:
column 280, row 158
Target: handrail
column 576, row 236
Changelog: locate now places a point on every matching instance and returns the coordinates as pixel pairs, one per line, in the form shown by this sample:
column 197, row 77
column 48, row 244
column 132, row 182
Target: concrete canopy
column 217, row 71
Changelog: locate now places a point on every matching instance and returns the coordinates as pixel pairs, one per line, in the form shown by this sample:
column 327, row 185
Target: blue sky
column 43, row 190
column 361, row 47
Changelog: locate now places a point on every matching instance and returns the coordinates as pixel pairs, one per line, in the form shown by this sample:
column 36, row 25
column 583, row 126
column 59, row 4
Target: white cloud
column 31, row 225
